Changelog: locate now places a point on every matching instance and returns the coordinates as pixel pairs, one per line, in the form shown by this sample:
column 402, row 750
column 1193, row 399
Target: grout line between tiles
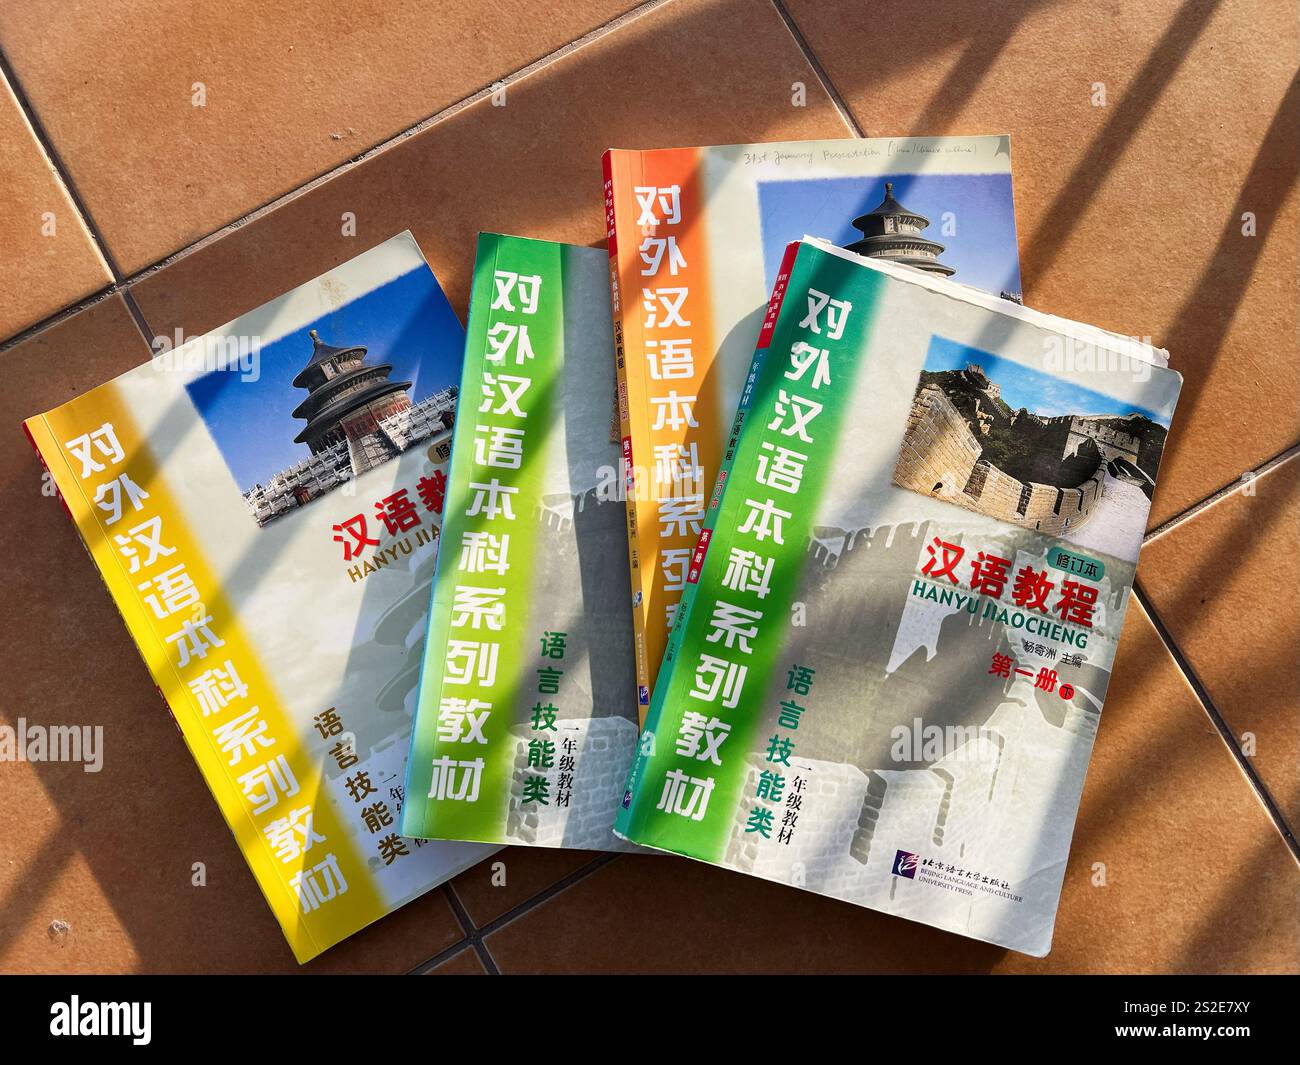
column 437, row 117
column 472, row 933
column 142, row 323
column 121, row 284
column 462, row 917
column 546, row 894
column 477, row 935
column 823, row 76
column 1221, row 493
column 1220, row 723
column 447, row 954
column 60, row 170
column 70, row 311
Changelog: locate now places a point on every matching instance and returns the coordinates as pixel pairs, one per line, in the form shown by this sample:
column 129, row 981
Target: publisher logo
column 643, row 695
column 627, row 799
column 905, row 863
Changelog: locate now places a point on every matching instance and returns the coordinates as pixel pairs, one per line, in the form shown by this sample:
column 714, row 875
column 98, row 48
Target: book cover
column 526, row 724
column 901, row 615
column 263, row 503
column 696, row 237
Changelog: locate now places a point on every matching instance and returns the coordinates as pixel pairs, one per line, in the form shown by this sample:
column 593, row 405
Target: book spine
column 646, row 749
column 628, row 381
column 488, row 554
column 308, row 933
column 94, row 538
column 83, row 536
column 729, row 455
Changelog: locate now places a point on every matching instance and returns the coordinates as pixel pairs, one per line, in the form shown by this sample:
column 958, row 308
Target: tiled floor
column 164, row 167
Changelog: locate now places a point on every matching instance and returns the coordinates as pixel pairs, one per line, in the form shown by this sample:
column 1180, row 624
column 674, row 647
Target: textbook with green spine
column 526, row 724
column 901, row 614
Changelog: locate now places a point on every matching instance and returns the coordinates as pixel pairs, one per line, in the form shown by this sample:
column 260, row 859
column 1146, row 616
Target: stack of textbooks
column 803, row 555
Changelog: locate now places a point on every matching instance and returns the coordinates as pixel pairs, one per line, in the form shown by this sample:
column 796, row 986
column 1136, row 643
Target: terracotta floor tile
column 292, row 89
column 1222, row 582
column 39, row 274
column 1198, row 878
column 1130, row 214
column 527, row 871
column 466, row 963
column 690, row 72
column 109, row 854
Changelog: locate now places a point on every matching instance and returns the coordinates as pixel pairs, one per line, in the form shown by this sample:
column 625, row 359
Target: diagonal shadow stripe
column 1140, row 98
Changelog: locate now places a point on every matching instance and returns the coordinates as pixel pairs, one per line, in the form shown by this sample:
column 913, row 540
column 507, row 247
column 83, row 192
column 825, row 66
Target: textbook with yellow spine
column 264, row 503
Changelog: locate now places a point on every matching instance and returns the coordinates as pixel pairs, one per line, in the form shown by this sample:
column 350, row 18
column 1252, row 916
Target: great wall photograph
column 1084, row 474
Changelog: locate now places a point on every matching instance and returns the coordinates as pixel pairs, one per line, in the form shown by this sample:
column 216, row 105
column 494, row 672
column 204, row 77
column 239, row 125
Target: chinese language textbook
column 696, row 237
column 526, row 724
column 901, row 615
column 264, row 503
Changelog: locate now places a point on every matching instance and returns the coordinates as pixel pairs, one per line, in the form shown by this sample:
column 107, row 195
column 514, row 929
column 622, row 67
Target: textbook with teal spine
column 902, row 611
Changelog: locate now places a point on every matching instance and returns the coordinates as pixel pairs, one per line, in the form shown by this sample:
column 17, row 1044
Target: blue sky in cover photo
column 983, row 250
column 1040, row 393
column 406, row 322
